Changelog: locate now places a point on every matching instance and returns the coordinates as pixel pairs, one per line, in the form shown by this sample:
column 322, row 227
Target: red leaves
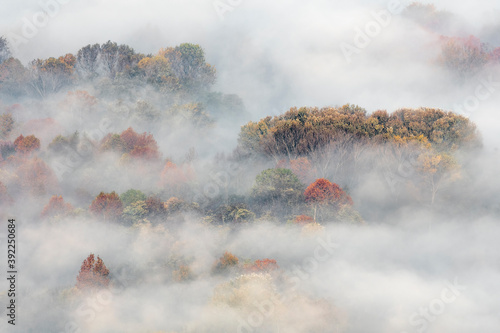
column 142, row 146
column 322, row 191
column 55, row 207
column 26, row 145
column 108, row 206
column 266, row 265
column 93, row 274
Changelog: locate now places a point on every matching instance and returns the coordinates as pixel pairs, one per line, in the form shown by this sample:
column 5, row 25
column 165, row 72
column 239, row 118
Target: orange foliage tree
column 226, row 262
column 56, row 207
column 142, row 146
column 26, row 145
column 108, row 206
column 93, row 274
column 325, row 193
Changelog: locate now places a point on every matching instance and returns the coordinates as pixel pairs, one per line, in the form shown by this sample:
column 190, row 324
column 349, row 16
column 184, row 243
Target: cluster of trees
column 300, row 132
column 462, row 55
column 174, row 69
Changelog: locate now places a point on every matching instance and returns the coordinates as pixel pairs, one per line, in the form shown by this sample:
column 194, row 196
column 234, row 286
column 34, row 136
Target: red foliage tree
column 140, row 145
column 266, row 265
column 93, row 274
column 55, row 207
column 323, row 192
column 155, row 207
column 107, row 205
column 226, row 262
column 26, row 145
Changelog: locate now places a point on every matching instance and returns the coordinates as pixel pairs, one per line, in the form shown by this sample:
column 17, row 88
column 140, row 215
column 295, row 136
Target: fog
column 411, row 266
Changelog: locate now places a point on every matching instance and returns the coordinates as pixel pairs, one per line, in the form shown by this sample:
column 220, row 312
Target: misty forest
column 226, row 166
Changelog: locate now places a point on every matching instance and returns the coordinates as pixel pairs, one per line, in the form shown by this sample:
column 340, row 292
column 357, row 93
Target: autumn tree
column 51, row 75
column 157, row 71
column 304, row 131
column 56, row 207
column 107, row 206
column 324, row 194
column 437, row 171
column 26, row 145
column 155, row 208
column 188, row 64
column 135, row 212
column 225, row 263
column 93, row 274
column 140, row 145
column 463, row 56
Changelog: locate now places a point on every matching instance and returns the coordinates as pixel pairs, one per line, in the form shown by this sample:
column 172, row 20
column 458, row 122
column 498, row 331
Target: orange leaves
column 56, row 207
column 108, row 206
column 226, row 262
column 266, row 265
column 140, row 145
column 26, row 145
column 322, row 191
column 93, row 274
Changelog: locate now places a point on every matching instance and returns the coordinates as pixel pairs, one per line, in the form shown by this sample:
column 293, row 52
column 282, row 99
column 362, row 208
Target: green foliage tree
column 132, row 196
column 277, row 189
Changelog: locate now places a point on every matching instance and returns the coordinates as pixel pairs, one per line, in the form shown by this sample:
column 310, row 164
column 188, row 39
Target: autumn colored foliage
column 299, row 132
column 55, row 207
column 26, row 145
column 227, row 261
column 93, row 274
column 108, row 206
column 265, row 265
column 142, row 146
column 322, row 191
